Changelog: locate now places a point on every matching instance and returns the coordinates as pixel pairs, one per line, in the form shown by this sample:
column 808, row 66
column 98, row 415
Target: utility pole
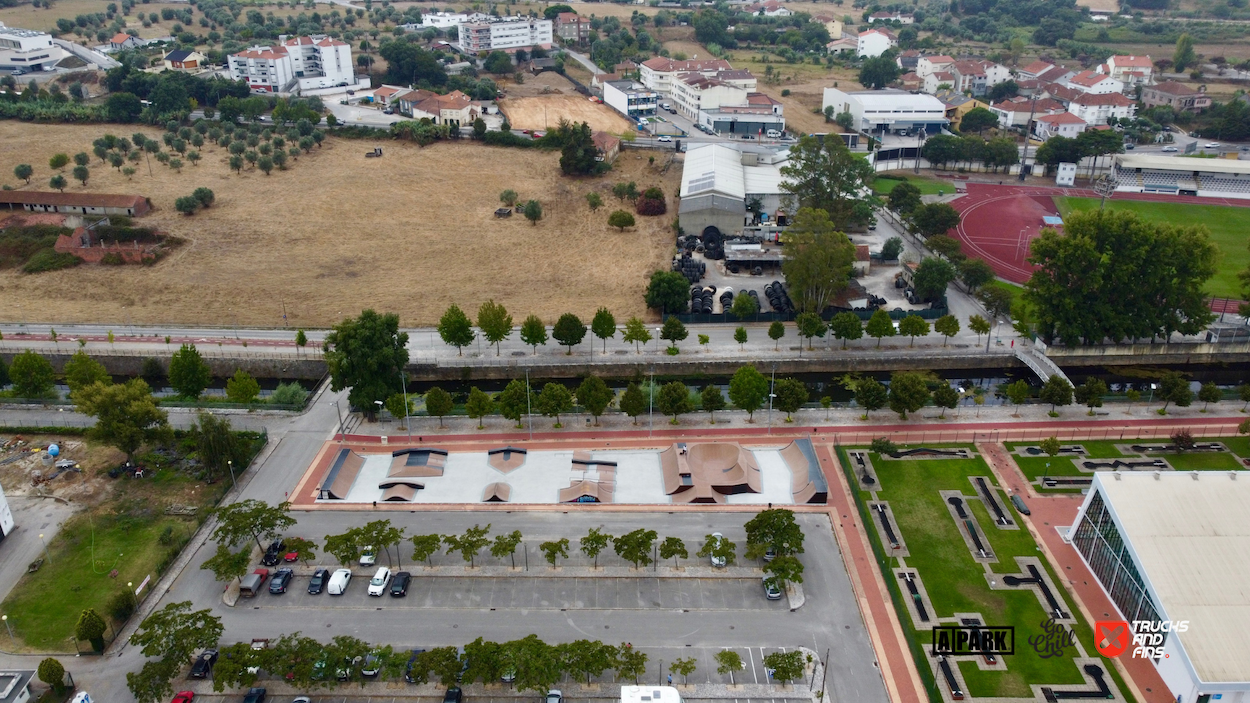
column 407, row 422
column 919, row 143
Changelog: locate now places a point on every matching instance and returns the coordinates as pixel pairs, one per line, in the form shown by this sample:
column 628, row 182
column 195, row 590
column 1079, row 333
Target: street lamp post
column 407, row 422
column 339, row 411
column 651, row 405
column 772, row 384
column 529, row 413
column 233, row 483
column 657, row 340
column 8, row 627
column 1150, row 400
column 45, row 548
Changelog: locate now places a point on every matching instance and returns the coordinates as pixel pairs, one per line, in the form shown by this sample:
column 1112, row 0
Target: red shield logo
column 1111, row 637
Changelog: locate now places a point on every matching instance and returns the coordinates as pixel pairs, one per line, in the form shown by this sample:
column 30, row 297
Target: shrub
column 50, row 260
column 122, row 604
column 112, row 259
column 187, row 204
column 204, row 195
column 620, row 219
column 288, row 394
column 651, row 206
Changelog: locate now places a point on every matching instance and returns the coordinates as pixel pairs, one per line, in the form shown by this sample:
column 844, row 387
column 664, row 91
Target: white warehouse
column 894, row 111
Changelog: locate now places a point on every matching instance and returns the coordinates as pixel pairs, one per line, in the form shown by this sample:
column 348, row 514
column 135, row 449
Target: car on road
column 412, row 661
column 372, row 664
column 183, row 697
column 281, row 579
column 203, row 665
column 18, row 72
column 453, row 695
column 773, row 134
column 399, row 584
column 1211, row 145
column 771, row 592
column 718, row 561
column 555, row 696
column 379, row 582
column 1129, row 146
column 664, row 138
column 339, row 581
column 254, row 695
column 274, row 553
column 388, row 111
column 318, row 582
column 368, row 556
column 1170, row 149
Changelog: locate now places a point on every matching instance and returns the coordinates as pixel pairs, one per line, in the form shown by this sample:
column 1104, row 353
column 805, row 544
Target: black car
column 281, row 579
column 254, row 695
column 412, row 660
column 203, row 665
column 318, row 582
column 399, row 584
column 273, row 555
column 453, row 695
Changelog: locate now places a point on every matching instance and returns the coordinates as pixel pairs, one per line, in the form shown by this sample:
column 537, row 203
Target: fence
column 923, row 436
column 938, row 310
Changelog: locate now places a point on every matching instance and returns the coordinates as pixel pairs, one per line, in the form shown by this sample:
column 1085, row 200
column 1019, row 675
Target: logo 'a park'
column 1111, row 637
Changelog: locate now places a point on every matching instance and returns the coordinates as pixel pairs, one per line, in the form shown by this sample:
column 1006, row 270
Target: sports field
column 1228, row 226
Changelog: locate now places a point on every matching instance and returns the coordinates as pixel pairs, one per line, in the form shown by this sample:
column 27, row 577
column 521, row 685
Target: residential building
column 931, row 64
column 454, row 109
column 756, row 117
column 75, row 203
column 1059, row 92
column 895, row 111
column 934, row 82
column 900, row 17
column 504, row 34
column 121, row 40
column 692, row 92
column 1097, row 109
column 1063, row 124
column 658, row 73
column 295, row 63
column 957, row 105
column 908, row 60
column 770, row 8
column 14, row 683
column 265, row 68
column 608, row 146
column 1043, row 71
column 572, row 27
column 184, row 60
column 977, row 77
column 1034, row 69
column 387, row 93
column 832, row 25
column 718, row 180
column 1094, row 82
column 447, row 20
column 27, row 49
column 1014, row 112
column 910, row 81
column 631, row 99
column 875, row 42
column 597, row 80
column 626, row 69
column 1177, row 96
column 842, row 46
column 6, row 516
column 1167, row 548
column 1129, row 70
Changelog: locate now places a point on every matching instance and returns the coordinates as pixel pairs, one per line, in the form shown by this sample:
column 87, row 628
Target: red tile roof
column 331, row 42
column 939, row 59
column 1135, row 61
column 35, row 197
column 664, row 65
column 120, row 38
column 1037, row 67
column 1174, row 88
column 761, row 99
column 1061, row 118
column 1088, row 79
column 268, row 52
column 1112, row 99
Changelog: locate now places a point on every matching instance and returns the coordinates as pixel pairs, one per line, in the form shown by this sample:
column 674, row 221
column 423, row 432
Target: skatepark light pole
column 404, row 385
column 1028, row 128
column 772, row 385
column 339, row 411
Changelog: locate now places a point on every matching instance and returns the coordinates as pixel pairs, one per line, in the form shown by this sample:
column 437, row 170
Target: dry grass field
column 28, row 17
column 545, row 112
column 409, row 233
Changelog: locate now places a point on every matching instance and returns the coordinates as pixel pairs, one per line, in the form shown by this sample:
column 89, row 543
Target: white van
column 380, row 581
column 773, row 134
column 339, row 581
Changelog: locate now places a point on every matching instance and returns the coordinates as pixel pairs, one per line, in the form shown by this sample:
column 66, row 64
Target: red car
column 184, row 697
column 290, row 557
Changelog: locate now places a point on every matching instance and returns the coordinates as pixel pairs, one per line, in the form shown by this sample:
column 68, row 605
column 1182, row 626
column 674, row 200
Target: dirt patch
column 546, row 112
column 545, row 83
column 409, row 233
column 23, row 468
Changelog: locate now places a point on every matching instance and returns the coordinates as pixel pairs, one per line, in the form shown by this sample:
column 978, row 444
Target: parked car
column 319, row 668
column 1129, row 146
column 770, row 554
column 771, row 592
column 664, row 138
column 339, row 581
column 254, row 695
column 1211, row 145
column 368, row 556
column 281, row 579
column 453, row 695
column 203, row 665
column 183, row 697
column 372, row 664
column 388, row 111
column 399, row 585
column 773, row 134
column 381, row 579
column 274, row 553
column 555, row 696
column 1170, row 149
column 18, row 72
column 318, row 582
column 718, row 561
column 345, row 670
column 252, row 583
column 301, row 699
column 412, row 660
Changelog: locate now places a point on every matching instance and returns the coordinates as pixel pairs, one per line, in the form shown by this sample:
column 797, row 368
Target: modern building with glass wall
column 1172, row 547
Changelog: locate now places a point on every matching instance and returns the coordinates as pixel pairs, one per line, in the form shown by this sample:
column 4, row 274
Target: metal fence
column 938, row 310
column 1030, row 434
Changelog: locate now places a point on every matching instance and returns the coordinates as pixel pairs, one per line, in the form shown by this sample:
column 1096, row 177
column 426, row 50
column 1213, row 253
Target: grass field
column 956, row 583
column 1202, row 461
column 886, row 182
column 545, row 112
column 410, row 233
column 44, row 18
column 1228, row 226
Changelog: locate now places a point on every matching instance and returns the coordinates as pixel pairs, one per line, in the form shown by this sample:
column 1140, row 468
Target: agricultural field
column 409, row 233
column 545, row 112
column 1228, row 226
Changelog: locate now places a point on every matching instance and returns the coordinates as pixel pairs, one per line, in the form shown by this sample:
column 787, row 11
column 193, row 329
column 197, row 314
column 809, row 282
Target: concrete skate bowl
column 506, row 459
column 338, row 480
column 497, row 493
column 707, row 473
column 807, row 483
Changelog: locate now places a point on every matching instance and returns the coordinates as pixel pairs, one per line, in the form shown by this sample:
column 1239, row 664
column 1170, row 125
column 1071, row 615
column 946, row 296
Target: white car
column 771, row 592
column 368, row 556
column 338, row 582
column 664, row 138
column 382, row 579
column 1211, row 145
column 718, row 562
column 554, row 696
column 1170, row 149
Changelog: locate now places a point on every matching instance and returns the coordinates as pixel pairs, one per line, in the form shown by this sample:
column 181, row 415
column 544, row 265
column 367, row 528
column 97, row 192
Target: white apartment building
column 1094, row 82
column 296, row 63
column 693, row 92
column 875, row 42
column 977, row 77
column 658, row 73
column 895, row 111
column 27, row 49
column 445, row 20
column 926, row 65
column 1129, row 70
column 630, row 99
column 504, row 34
column 1096, row 109
column 1063, row 124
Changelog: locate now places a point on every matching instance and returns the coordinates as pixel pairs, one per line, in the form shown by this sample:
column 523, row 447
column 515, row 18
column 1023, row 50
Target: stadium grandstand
column 1170, row 175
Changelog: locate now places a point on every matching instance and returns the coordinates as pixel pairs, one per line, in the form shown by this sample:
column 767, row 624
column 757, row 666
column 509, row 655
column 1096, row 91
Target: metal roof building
column 1174, row 546
column 717, row 180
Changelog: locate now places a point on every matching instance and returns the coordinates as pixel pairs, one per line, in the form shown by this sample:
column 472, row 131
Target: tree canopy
column 126, row 414
column 818, row 262
column 827, row 176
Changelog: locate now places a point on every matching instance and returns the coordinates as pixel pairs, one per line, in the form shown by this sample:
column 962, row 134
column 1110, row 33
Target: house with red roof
column 1130, row 70
column 658, row 73
column 121, row 40
column 1094, row 82
column 1063, row 124
column 875, row 42
column 1014, row 112
column 295, row 64
column 1098, row 109
column 1177, row 96
column 930, row 64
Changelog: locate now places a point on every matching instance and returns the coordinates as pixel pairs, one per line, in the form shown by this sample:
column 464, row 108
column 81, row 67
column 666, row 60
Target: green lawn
column 1201, row 461
column 1095, row 449
column 885, row 182
column 1228, row 226
column 1237, row 445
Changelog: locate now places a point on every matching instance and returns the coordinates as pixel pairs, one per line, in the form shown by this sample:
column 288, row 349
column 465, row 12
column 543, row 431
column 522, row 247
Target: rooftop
column 15, row 32
column 1185, row 165
column 1134, row 61
column 12, row 683
column 1174, row 88
column 1037, row 67
column 1189, row 534
column 666, row 65
column 1088, row 79
column 35, row 197
column 1060, row 118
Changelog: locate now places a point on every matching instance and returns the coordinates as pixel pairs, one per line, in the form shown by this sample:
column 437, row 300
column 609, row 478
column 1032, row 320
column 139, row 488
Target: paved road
column 88, row 55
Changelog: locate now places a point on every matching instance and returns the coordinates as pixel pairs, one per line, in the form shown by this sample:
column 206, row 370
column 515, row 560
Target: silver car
column 718, row 561
column 770, row 590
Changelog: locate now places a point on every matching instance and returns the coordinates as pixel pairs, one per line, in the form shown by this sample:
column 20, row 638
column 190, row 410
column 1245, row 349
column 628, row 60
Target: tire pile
column 688, row 267
column 701, row 299
column 778, row 298
column 713, row 244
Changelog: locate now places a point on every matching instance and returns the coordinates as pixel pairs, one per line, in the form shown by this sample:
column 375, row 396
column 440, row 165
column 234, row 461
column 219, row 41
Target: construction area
column 545, row 112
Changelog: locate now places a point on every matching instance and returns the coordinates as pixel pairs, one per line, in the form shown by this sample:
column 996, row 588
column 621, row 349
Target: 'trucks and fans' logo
column 1111, row 637
column 1114, row 637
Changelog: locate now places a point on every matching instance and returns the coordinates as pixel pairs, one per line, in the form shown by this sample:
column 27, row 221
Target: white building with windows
column 658, row 73
column 294, row 64
column 875, row 42
column 27, row 49
column 631, row 99
column 894, row 111
column 446, row 20
column 505, row 34
column 1097, row 109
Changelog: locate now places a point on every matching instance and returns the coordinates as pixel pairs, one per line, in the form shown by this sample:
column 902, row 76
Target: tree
column 554, row 400
column 636, row 331
column 672, row 548
column 495, row 322
column 946, row 247
column 175, row 633
column 153, row 682
column 744, row 306
column 52, row 673
column 242, row 388
column 91, row 628
column 674, row 399
column 577, row 157
column 367, row 354
column 126, row 414
column 880, row 325
column 684, row 667
column 827, row 176
column 718, row 547
column 673, row 331
column 469, row 544
column 1018, row 392
column 204, row 195
column 1056, row 391
column 455, row 329
column 712, row 400
column 1184, row 55
column 783, row 571
column 908, row 392
column 595, row 201
column 933, row 219
column 630, row 662
column 187, row 205
column 776, row 331
column 818, row 260
column 878, row 72
column 635, row 547
column 980, row 325
column 871, row 394
column 438, row 402
column 904, row 198
column 1174, row 388
column 228, row 565
column 58, row 161
column 508, row 197
column 81, row 174
column 786, row 666
column 947, row 326
column 81, row 371
column 24, row 172
column 913, row 326
column 791, row 395
column 975, row 273
column 978, row 119
column 633, row 402
column 479, row 405
column 513, row 401
column 595, row 542
column 569, row 331
column 123, row 107
column 932, row 277
column 534, row 332
column 668, row 292
column 594, row 395
column 558, row 549
column 1209, row 393
column 505, row 545
column 740, row 336
column 774, row 529
column 58, row 182
column 1090, row 393
column 1155, row 273
column 727, row 662
column 748, row 390
column 425, row 546
column 533, row 211
column 603, row 325
column 253, row 519
column 997, row 301
column 809, row 325
column 945, row 397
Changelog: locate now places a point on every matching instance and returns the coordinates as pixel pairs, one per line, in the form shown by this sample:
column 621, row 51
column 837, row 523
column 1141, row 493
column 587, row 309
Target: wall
column 223, row 364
